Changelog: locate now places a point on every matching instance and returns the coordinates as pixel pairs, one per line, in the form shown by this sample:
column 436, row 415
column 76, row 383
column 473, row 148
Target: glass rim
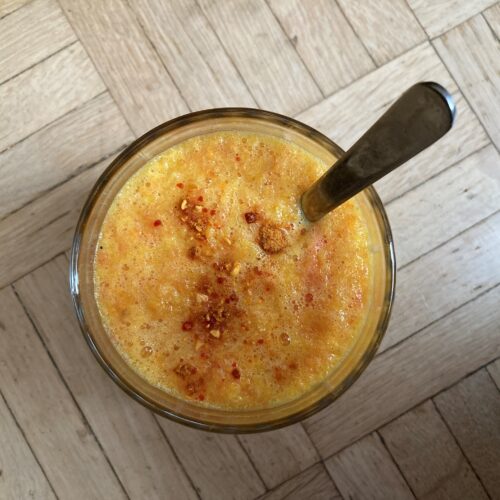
column 121, row 160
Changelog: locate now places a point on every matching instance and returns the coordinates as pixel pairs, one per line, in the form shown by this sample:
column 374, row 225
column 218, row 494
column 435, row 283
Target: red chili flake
column 180, row 185
column 201, row 397
column 236, row 373
column 157, row 222
column 237, row 158
column 200, row 198
column 233, row 364
column 212, row 212
column 260, row 341
column 293, row 365
column 303, row 231
column 203, row 355
column 204, row 210
column 250, row 217
column 187, row 325
column 220, row 280
column 309, row 297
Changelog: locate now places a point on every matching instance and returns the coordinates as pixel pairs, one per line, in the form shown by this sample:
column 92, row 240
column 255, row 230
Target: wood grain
column 193, row 54
column 31, row 34
column 313, row 484
column 264, row 56
column 366, row 470
column 341, row 118
column 8, row 6
column 387, row 27
column 411, row 372
column 427, row 290
column 438, row 17
column 494, row 371
column 128, row 432
column 325, row 41
column 492, row 16
column 428, row 456
column 458, row 197
column 21, row 476
column 53, row 425
column 57, row 85
column 44, row 228
column 79, row 80
column 61, row 150
column 470, row 51
column 126, row 61
column 472, row 411
column 280, row 455
column 216, row 463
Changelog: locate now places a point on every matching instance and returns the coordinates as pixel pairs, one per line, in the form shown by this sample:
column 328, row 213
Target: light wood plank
column 471, row 52
column 216, row 463
column 44, row 228
column 494, row 371
column 193, row 54
column 472, row 410
column 387, row 27
column 341, row 118
column 61, row 150
column 492, row 16
column 428, row 289
column 366, row 470
column 438, row 17
column 31, row 34
column 325, row 41
column 429, row 457
column 280, row 455
column 211, row 478
column 127, row 431
column 458, row 198
column 21, row 476
column 8, row 6
column 313, row 484
column 259, row 48
column 411, row 372
column 64, row 445
column 127, row 62
column 45, row 92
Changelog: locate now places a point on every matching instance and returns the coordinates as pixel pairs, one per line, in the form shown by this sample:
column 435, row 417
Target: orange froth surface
column 212, row 285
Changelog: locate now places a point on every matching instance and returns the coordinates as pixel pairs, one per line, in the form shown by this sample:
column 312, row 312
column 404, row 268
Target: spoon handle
column 421, row 116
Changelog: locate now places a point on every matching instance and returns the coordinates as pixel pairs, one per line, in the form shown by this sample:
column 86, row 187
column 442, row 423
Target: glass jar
column 82, row 273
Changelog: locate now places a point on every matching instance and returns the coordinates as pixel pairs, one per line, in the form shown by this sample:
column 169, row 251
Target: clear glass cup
column 82, row 269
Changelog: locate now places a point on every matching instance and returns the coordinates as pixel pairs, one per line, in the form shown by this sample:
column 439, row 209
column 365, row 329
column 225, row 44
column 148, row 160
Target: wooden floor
column 80, row 79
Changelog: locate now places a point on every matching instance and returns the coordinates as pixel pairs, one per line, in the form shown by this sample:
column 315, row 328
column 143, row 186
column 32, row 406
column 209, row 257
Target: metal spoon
column 421, row 116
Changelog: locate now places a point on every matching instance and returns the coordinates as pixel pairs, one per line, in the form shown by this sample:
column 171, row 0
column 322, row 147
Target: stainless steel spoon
column 421, row 116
